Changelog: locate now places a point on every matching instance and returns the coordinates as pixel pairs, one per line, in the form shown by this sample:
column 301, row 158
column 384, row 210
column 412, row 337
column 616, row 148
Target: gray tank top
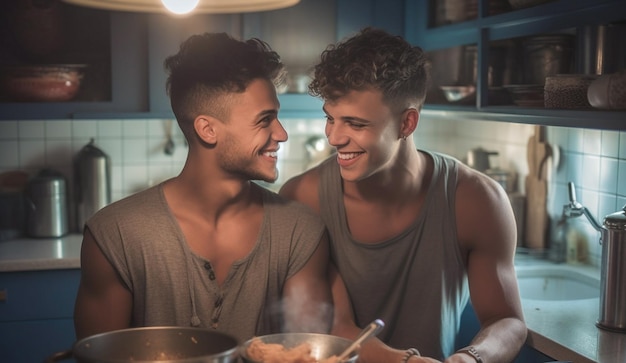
column 171, row 285
column 416, row 281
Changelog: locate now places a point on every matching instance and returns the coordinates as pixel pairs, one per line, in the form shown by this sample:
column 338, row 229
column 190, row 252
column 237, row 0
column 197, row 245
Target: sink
column 556, row 283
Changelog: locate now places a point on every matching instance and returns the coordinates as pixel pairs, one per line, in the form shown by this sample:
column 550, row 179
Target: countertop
column 32, row 254
column 564, row 330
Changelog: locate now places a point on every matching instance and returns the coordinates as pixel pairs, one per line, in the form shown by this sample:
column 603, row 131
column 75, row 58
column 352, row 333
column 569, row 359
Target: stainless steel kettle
column 47, row 205
column 92, row 179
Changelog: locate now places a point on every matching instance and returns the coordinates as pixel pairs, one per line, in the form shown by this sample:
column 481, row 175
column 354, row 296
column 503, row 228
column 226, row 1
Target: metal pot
column 546, row 55
column 323, row 345
column 154, row 344
column 479, row 159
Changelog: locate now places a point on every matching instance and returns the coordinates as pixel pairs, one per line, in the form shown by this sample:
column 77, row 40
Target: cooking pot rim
column 78, row 350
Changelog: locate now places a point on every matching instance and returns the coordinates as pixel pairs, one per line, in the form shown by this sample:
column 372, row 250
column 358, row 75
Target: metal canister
column 92, row 179
column 547, row 55
column 613, row 273
column 47, row 205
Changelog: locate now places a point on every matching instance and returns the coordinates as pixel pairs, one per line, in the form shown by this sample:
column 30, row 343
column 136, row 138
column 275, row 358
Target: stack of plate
column 526, row 95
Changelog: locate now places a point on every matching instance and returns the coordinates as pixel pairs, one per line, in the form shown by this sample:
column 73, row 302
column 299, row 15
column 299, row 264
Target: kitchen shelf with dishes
column 54, row 52
column 524, row 61
column 131, row 48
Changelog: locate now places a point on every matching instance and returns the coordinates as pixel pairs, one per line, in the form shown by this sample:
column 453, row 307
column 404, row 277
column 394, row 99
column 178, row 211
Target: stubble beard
column 235, row 161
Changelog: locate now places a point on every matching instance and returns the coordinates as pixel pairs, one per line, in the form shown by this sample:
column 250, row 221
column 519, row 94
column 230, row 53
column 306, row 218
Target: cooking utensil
column 369, row 331
column 154, row 344
column 538, row 153
column 323, row 345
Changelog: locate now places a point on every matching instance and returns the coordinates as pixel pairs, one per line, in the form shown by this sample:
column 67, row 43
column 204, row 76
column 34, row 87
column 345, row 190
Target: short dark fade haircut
column 210, row 65
column 372, row 59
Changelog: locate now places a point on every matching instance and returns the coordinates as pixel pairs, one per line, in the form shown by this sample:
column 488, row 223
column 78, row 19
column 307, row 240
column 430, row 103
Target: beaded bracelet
column 409, row 353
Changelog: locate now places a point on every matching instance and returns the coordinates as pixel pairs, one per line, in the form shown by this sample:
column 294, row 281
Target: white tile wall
column 135, row 148
column 594, row 160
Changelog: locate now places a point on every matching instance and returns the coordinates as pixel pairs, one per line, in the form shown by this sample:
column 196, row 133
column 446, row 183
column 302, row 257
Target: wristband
column 472, row 352
column 409, row 353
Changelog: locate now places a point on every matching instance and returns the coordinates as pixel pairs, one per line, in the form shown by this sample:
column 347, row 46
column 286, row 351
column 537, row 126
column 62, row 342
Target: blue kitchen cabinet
column 128, row 89
column 140, row 43
column 36, row 313
column 572, row 17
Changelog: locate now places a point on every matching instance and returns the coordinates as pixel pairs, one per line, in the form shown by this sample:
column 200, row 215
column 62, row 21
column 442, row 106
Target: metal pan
column 154, row 344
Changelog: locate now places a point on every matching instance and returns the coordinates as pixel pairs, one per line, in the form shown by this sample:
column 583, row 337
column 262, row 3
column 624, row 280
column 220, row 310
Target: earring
column 404, row 137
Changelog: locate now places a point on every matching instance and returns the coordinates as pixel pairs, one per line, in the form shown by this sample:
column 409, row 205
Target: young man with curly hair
column 414, row 234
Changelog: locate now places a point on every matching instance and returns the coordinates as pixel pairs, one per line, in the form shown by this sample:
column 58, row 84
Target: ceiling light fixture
column 180, row 7
column 203, row 6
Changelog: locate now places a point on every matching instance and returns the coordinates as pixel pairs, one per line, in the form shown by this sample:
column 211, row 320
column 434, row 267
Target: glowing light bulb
column 180, row 6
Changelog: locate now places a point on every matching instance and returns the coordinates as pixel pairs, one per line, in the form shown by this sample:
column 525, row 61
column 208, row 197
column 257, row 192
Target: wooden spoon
column 369, row 331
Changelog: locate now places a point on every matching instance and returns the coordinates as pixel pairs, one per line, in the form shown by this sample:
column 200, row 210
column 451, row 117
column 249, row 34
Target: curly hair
column 211, row 65
column 372, row 59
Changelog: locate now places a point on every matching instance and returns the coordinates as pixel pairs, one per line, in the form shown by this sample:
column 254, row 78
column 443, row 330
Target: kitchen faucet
column 574, row 209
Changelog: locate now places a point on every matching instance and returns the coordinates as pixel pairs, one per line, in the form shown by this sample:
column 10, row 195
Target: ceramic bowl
column 41, row 83
column 458, row 93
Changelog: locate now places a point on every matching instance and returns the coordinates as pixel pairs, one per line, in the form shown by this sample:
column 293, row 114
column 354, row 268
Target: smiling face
column 365, row 131
column 251, row 132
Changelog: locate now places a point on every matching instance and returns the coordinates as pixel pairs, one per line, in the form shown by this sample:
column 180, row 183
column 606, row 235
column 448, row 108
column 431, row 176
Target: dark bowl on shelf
column 458, row 93
column 466, row 95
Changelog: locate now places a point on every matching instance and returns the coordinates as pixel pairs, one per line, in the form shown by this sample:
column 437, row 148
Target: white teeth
column 271, row 154
column 348, row 156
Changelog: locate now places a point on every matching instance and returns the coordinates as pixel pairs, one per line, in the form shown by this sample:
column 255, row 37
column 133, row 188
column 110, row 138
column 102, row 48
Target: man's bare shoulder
column 475, row 186
column 303, row 188
column 484, row 214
